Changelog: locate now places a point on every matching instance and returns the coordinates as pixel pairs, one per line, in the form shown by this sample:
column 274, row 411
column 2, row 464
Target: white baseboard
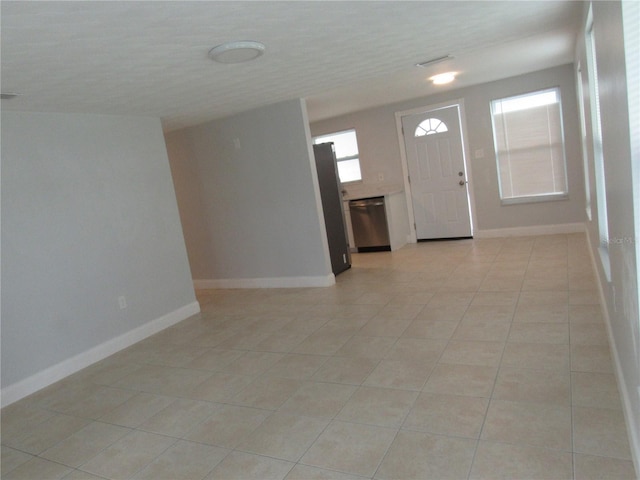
column 44, row 378
column 269, row 282
column 533, row 230
column 629, row 414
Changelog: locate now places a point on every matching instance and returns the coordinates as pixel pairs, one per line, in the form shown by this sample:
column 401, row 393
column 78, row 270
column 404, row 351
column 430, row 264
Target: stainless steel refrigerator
column 332, row 206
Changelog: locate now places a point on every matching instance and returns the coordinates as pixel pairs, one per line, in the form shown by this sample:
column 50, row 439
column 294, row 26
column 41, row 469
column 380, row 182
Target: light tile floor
column 461, row 359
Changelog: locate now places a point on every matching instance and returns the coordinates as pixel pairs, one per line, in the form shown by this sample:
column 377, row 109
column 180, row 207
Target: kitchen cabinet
column 369, row 223
column 395, row 207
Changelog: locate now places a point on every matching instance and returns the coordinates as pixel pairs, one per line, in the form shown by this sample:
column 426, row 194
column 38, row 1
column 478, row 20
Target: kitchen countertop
column 357, row 192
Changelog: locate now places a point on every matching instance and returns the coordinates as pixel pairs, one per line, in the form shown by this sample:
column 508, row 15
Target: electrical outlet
column 122, row 302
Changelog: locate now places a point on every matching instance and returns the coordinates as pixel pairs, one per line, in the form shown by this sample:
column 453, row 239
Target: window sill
column 534, row 199
column 606, row 263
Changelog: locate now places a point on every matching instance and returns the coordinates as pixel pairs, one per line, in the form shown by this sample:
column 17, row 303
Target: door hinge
column 414, row 226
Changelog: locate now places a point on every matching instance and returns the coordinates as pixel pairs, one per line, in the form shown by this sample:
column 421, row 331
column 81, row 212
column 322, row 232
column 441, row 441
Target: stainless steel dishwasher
column 369, row 222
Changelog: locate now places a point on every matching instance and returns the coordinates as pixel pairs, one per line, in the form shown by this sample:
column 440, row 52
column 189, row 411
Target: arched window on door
column 430, row 126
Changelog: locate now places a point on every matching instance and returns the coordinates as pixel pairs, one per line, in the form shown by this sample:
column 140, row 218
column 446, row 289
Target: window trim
column 584, row 140
column 531, row 198
column 597, row 145
column 547, row 197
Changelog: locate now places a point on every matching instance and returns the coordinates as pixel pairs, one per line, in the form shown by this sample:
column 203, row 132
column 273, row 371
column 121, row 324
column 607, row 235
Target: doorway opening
column 436, row 174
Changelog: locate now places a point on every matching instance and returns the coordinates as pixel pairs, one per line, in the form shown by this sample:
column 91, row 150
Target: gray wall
column 380, row 149
column 88, row 214
column 252, row 209
column 621, row 294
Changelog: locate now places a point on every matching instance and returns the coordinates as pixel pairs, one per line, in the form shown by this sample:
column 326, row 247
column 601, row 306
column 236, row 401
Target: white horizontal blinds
column 529, row 145
column 596, row 129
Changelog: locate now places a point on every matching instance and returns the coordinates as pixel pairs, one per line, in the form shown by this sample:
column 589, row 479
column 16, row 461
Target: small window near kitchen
column 529, row 145
column 347, row 156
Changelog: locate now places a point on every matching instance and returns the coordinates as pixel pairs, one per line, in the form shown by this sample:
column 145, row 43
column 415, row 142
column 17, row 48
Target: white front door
column 438, row 183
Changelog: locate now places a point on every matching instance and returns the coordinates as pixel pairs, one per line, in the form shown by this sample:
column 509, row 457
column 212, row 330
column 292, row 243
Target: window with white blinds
column 598, row 152
column 529, row 145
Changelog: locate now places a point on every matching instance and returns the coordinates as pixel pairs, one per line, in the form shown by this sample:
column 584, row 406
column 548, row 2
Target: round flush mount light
column 237, row 52
column 443, row 78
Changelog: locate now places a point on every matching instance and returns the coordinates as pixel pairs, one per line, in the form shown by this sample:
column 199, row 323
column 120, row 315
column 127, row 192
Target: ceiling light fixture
column 443, row 78
column 433, row 61
column 237, row 52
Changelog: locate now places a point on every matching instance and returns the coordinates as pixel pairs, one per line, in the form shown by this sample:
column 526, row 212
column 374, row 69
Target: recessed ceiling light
column 236, row 52
column 443, row 78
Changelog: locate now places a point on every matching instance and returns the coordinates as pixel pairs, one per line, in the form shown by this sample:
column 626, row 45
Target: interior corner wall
column 380, row 150
column 620, row 295
column 89, row 215
column 253, row 213
column 188, row 185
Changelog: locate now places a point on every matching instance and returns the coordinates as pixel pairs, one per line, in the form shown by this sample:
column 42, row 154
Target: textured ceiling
column 150, row 58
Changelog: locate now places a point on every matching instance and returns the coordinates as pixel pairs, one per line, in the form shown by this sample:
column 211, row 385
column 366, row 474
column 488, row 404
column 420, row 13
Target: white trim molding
column 48, row 376
column 530, row 230
column 267, row 282
column 459, row 102
column 625, row 396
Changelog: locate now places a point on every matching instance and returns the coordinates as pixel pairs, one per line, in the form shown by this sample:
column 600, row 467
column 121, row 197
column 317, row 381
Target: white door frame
column 405, row 168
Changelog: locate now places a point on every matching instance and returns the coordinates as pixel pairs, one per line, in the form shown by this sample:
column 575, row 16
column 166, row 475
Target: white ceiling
column 150, row 58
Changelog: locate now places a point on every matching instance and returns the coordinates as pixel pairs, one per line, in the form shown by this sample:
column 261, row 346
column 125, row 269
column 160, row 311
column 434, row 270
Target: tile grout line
column 495, row 381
